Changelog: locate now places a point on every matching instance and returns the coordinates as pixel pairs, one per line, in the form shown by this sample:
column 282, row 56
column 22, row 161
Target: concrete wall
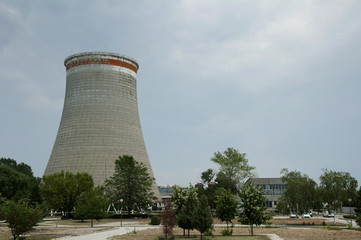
column 100, row 119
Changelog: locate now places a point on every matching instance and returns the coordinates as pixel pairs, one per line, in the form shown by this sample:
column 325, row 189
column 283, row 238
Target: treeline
column 223, row 192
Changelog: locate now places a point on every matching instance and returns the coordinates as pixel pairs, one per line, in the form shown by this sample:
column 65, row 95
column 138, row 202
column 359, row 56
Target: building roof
column 260, row 181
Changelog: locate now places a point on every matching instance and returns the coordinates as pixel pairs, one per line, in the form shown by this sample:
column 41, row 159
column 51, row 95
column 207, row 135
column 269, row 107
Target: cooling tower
column 100, row 119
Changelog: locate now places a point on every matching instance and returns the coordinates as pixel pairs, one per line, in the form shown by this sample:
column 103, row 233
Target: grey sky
column 278, row 80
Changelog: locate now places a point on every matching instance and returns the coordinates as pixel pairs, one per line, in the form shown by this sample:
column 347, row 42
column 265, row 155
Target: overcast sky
column 278, row 80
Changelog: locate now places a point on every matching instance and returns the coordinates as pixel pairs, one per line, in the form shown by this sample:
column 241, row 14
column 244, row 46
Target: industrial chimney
column 100, row 119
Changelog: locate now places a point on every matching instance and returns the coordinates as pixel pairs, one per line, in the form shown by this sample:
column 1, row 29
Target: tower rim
column 73, row 57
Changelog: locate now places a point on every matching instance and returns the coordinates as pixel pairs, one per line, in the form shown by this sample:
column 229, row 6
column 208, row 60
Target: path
column 108, row 233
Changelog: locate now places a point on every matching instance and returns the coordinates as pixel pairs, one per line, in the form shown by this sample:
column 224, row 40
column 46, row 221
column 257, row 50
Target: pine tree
column 186, row 216
column 131, row 182
column 203, row 218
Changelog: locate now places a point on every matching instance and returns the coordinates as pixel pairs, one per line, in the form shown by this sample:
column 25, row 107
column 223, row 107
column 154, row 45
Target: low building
column 273, row 189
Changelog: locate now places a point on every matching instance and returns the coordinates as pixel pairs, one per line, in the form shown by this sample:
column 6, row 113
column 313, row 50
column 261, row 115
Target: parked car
column 306, row 215
column 325, row 213
column 328, row 214
column 293, row 215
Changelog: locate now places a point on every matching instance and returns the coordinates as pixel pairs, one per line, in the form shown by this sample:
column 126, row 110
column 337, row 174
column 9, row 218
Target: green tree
column 301, row 191
column 130, row 182
column 21, row 217
column 168, row 220
column 210, row 188
column 253, row 209
column 226, row 209
column 358, row 203
column 181, row 197
column 186, row 215
column 13, row 184
column 234, row 169
column 358, row 219
column 17, row 181
column 203, row 218
column 92, row 205
column 208, row 176
column 21, row 167
column 337, row 187
column 61, row 191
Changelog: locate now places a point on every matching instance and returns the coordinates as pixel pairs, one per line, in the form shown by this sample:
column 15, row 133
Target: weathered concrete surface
column 100, row 119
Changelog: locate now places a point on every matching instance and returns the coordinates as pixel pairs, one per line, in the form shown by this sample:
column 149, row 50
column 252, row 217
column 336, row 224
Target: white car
column 328, row 214
column 293, row 215
column 306, row 215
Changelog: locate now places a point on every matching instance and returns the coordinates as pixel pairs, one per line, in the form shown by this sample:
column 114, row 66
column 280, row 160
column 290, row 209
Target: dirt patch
column 285, row 233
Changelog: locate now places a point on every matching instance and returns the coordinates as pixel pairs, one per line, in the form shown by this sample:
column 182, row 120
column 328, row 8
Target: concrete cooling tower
column 100, row 119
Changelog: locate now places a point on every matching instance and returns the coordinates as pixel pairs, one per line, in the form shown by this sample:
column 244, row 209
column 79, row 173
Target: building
column 100, row 119
column 273, row 189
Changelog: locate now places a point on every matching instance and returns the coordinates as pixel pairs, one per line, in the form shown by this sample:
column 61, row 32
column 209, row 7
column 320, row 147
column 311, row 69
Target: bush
column 155, row 220
column 349, row 216
column 226, row 232
column 208, row 233
column 164, row 238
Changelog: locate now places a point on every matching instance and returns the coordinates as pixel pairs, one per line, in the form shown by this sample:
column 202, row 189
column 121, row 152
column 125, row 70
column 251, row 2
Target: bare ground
column 290, row 233
column 285, row 233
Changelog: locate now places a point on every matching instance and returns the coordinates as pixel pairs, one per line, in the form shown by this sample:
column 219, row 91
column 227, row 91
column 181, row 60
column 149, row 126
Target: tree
column 337, row 188
column 168, row 220
column 186, row 216
column 17, row 181
column 21, row 217
column 210, row 188
column 253, row 209
column 358, row 203
column 301, row 191
column 234, row 169
column 226, row 209
column 203, row 218
column 61, row 191
column 207, row 176
column 130, row 182
column 13, row 184
column 180, row 198
column 21, row 167
column 358, row 219
column 92, row 205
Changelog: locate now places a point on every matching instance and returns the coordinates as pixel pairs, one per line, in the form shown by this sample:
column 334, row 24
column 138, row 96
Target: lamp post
column 121, row 208
column 349, row 200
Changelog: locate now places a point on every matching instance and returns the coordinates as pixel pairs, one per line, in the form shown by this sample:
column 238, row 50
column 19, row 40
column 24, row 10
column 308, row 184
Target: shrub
column 226, row 232
column 164, row 238
column 208, row 233
column 348, row 216
column 155, row 220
